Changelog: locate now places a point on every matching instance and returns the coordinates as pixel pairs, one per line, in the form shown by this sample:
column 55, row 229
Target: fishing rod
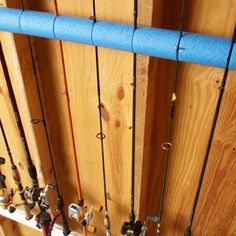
column 44, row 219
column 133, row 227
column 101, row 136
column 79, row 211
column 32, row 193
column 6, row 195
column 167, row 145
column 188, row 230
column 17, row 180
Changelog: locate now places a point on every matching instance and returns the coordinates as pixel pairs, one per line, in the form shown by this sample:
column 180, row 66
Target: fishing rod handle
column 28, row 214
column 187, row 232
column 33, row 174
column 16, row 175
column 64, row 222
column 2, row 181
column 65, row 225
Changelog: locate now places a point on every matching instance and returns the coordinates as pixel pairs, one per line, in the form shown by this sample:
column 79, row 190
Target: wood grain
column 196, row 99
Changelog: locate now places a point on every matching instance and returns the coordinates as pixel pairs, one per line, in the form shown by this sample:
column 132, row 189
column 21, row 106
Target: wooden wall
column 196, row 99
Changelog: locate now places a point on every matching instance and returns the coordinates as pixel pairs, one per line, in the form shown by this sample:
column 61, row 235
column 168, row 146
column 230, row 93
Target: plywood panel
column 196, row 99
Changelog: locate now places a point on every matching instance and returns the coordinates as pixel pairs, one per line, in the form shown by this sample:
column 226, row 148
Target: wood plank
column 218, row 191
column 159, row 92
column 9, row 228
column 12, row 59
column 116, row 94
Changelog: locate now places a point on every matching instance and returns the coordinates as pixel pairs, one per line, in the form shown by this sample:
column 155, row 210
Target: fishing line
column 101, row 135
column 188, row 230
column 60, row 201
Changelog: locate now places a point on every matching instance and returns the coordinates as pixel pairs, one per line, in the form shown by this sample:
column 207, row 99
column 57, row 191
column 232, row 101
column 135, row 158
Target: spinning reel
column 33, row 193
column 44, row 219
column 83, row 215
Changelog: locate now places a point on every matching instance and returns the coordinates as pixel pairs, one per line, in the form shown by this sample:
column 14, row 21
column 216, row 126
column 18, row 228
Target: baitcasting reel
column 83, row 215
column 132, row 227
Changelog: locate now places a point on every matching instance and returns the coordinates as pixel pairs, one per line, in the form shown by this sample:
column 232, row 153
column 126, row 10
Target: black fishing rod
column 101, row 135
column 133, row 227
column 17, row 180
column 188, row 230
column 32, row 193
column 167, row 145
column 44, row 218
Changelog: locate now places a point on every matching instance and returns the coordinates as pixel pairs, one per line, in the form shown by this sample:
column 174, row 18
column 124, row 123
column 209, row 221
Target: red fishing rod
column 34, row 193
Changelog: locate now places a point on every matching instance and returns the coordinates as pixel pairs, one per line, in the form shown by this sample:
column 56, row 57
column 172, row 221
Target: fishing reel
column 43, row 196
column 32, row 193
column 132, row 227
column 44, row 219
column 83, row 215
